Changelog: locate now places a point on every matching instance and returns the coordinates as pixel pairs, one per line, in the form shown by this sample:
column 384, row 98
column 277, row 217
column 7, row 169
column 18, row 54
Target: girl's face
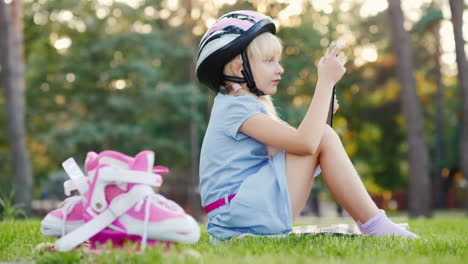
column 267, row 73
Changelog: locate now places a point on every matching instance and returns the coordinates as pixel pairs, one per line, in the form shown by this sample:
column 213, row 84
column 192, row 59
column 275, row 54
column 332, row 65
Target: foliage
column 8, row 209
column 126, row 82
column 431, row 17
column 115, row 87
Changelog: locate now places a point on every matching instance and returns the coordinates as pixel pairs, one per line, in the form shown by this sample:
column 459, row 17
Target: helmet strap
column 233, row 79
column 247, row 72
column 248, row 77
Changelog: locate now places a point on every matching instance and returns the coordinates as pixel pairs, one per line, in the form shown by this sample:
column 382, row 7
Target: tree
column 456, row 7
column 419, row 184
column 12, row 73
column 118, row 85
column 194, row 127
column 431, row 22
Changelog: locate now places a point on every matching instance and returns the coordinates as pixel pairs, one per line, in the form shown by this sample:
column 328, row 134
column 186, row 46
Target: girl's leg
column 344, row 183
column 339, row 175
column 299, row 176
column 343, row 180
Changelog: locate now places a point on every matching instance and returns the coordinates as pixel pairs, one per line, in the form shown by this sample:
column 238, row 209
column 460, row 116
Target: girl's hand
column 331, row 67
column 336, row 105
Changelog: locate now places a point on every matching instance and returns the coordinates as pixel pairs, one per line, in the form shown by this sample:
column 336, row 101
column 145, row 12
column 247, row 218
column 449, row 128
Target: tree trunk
column 440, row 200
column 194, row 142
column 456, row 7
column 194, row 153
column 11, row 53
column 419, row 184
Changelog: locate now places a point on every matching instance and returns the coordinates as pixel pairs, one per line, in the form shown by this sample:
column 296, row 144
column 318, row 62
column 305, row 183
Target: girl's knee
column 330, row 132
column 330, row 137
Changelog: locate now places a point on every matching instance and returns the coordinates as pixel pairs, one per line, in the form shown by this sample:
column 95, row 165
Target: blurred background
column 91, row 75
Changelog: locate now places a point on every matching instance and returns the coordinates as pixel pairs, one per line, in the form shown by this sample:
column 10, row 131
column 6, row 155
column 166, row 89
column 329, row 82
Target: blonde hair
column 264, row 46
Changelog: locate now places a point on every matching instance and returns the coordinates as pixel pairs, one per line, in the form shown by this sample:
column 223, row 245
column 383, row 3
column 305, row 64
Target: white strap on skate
column 67, row 208
column 119, row 206
column 69, row 187
column 77, row 176
column 119, row 175
column 114, row 175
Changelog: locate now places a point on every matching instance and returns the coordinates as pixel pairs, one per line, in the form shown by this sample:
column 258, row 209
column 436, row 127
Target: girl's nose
column 280, row 69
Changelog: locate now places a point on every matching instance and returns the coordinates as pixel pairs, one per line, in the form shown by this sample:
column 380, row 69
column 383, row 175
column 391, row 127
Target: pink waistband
column 218, row 203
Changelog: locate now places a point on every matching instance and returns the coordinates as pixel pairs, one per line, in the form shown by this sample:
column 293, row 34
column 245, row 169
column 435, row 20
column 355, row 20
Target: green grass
column 443, row 240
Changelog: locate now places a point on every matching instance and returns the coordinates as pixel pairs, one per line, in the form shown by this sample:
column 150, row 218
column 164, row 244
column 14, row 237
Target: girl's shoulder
column 236, row 104
column 236, row 99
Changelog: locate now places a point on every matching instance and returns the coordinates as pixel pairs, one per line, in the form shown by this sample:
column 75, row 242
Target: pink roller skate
column 64, row 219
column 120, row 204
column 70, row 214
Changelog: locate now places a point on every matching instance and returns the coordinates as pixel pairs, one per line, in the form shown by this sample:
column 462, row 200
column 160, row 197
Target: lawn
column 443, row 240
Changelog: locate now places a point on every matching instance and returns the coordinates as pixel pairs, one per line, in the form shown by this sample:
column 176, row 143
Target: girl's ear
column 236, row 67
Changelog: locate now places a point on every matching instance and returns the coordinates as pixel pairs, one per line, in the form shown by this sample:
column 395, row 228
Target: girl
column 256, row 171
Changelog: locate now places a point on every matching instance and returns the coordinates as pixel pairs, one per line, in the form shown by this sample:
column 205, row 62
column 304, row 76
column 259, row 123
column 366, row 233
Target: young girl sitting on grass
column 256, row 171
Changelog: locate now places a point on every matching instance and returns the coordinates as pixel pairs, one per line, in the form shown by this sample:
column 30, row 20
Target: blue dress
column 234, row 163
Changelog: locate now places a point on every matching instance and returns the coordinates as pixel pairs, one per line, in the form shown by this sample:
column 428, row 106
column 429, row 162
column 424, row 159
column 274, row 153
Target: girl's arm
column 306, row 138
